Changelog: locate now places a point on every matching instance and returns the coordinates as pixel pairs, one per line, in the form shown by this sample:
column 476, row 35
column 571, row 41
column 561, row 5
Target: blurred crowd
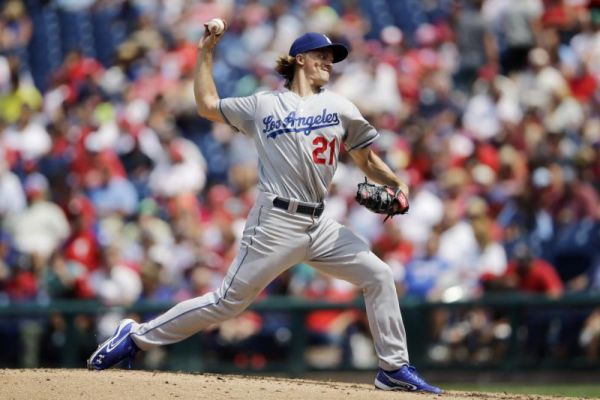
column 112, row 188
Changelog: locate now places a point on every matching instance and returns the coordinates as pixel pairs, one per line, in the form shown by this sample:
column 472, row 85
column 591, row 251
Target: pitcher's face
column 318, row 66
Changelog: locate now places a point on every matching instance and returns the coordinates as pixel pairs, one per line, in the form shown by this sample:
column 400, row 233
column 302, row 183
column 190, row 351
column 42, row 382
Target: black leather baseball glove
column 382, row 199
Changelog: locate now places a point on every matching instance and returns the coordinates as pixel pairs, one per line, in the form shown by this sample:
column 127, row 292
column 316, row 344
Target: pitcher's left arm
column 375, row 169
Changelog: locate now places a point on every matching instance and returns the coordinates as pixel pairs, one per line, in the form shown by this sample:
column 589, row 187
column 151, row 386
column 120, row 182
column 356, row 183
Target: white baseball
column 216, row 26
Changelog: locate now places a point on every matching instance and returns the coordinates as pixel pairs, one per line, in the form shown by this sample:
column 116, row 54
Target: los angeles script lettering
column 291, row 123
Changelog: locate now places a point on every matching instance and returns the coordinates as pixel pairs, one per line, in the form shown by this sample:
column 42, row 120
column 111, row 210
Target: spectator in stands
column 58, row 159
column 476, row 43
column 528, row 274
column 153, row 230
column 15, row 28
column 490, row 261
column 118, row 282
column 64, row 279
column 82, row 245
column 181, row 172
column 520, row 27
column 79, row 73
column 425, row 273
column 393, row 246
column 111, row 194
column 458, row 247
column 155, row 287
column 28, row 138
column 20, row 92
column 526, row 215
column 41, row 228
column 23, row 282
column 541, row 81
column 482, row 114
column 12, row 196
column 426, row 212
column 573, row 199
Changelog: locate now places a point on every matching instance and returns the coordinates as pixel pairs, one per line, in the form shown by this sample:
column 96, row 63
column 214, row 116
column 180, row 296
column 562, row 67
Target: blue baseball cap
column 313, row 41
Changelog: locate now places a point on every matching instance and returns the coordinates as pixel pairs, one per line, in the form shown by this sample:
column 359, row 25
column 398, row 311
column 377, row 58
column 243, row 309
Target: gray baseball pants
column 273, row 241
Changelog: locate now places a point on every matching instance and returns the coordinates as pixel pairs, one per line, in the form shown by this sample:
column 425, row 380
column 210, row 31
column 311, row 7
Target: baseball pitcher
column 298, row 133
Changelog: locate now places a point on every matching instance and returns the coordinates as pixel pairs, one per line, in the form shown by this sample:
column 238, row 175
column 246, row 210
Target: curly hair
column 286, row 67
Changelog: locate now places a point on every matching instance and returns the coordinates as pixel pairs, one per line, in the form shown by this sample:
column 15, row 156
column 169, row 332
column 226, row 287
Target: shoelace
column 413, row 371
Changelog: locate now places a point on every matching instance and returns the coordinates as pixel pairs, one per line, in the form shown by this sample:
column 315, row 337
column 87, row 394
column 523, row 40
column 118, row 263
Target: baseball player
column 298, row 134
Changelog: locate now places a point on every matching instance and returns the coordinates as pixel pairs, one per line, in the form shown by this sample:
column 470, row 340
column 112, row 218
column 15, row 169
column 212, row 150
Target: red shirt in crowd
column 83, row 247
column 540, row 277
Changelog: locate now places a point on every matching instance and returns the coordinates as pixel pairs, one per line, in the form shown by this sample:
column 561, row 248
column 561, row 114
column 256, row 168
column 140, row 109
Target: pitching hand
column 210, row 38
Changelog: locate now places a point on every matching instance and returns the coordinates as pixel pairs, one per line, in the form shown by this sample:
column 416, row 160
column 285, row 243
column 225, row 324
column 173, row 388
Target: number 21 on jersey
column 324, row 151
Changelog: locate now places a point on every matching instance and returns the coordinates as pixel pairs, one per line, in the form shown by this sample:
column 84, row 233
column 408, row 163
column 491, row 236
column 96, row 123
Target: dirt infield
column 36, row 384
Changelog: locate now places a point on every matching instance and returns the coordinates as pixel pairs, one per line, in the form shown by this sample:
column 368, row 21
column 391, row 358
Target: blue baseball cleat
column 405, row 378
column 115, row 349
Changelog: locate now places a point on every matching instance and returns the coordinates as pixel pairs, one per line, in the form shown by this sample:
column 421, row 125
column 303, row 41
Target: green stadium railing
column 187, row 354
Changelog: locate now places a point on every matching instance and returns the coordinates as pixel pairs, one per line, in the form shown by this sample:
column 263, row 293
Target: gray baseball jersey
column 298, row 141
column 298, row 138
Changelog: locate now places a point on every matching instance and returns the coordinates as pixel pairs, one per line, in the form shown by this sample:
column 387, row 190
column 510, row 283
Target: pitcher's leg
column 340, row 253
column 194, row 315
column 262, row 257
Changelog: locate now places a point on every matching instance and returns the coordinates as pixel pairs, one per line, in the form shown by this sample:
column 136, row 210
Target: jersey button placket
column 299, row 111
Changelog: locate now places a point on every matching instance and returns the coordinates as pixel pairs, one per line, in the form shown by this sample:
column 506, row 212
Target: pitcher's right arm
column 205, row 91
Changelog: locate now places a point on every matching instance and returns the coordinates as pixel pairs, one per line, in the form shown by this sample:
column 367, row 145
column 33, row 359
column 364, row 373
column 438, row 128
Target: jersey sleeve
column 238, row 111
column 359, row 132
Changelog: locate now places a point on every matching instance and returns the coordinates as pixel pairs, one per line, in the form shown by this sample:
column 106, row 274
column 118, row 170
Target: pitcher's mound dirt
column 36, row 384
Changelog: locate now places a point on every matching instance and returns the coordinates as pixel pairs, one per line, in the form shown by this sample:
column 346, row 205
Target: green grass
column 566, row 389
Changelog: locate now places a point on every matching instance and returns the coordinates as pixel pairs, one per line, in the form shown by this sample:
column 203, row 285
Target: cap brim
column 340, row 52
